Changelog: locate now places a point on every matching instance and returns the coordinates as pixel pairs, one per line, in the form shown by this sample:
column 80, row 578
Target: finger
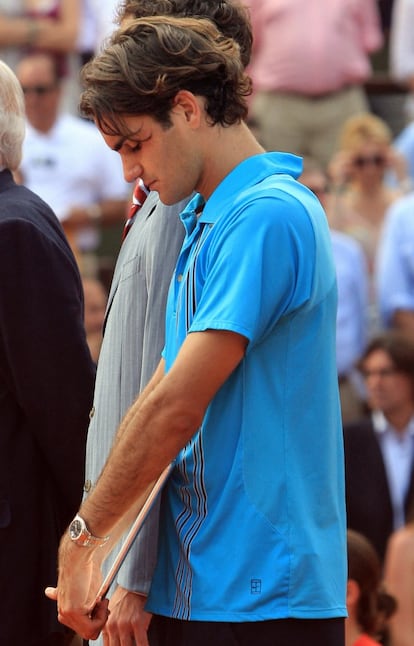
column 52, row 593
column 82, row 625
column 140, row 640
column 113, row 638
column 100, row 610
column 88, row 625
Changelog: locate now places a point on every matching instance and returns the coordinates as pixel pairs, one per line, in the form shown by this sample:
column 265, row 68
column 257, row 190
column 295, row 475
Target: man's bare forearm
column 158, row 425
column 149, row 438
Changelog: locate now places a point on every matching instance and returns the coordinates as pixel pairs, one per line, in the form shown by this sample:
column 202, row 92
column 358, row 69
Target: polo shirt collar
column 248, row 173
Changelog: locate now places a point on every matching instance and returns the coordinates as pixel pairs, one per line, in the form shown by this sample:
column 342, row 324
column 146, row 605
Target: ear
column 189, row 106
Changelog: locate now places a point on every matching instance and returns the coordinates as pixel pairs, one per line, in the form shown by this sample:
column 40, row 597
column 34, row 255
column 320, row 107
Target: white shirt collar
column 381, row 424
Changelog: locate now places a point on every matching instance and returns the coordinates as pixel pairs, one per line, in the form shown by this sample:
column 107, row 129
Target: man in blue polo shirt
column 245, row 398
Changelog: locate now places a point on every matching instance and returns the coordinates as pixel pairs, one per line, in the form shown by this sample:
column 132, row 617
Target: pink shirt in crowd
column 313, row 47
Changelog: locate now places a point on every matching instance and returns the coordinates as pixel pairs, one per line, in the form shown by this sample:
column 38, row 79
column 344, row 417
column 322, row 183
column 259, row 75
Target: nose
column 132, row 171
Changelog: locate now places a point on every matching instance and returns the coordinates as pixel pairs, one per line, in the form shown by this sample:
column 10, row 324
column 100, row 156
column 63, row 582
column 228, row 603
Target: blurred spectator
column 87, row 40
column 352, row 315
column 399, row 578
column 385, row 9
column 66, row 162
column 41, row 25
column 369, row 605
column 395, row 266
column 404, row 143
column 361, row 194
column 106, row 14
column 46, row 386
column 95, row 304
column 379, row 449
column 309, row 66
column 402, row 49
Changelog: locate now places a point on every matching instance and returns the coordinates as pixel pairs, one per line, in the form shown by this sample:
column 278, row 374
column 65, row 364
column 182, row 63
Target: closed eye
column 134, row 145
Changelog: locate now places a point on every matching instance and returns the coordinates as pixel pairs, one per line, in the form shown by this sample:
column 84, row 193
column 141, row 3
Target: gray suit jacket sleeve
column 131, row 350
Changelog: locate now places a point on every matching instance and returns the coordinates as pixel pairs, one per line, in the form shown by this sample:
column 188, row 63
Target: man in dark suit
column 46, row 384
column 379, row 450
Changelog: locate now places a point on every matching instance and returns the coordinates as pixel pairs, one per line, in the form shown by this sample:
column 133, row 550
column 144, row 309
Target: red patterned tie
column 139, row 196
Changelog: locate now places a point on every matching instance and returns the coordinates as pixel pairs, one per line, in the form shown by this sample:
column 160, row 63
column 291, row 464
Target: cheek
column 403, row 390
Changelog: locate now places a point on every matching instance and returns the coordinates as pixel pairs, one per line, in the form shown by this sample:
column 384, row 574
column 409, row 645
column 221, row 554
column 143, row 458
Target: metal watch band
column 80, row 534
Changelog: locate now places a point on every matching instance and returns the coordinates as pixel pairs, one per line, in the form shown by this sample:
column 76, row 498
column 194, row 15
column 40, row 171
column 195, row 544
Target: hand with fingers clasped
column 78, row 583
column 128, row 621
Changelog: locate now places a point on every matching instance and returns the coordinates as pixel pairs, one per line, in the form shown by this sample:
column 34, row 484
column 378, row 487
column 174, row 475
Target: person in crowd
column 46, row 385
column 402, row 49
column 66, row 162
column 135, row 330
column 395, row 269
column 184, row 90
column 44, row 25
column 404, row 144
column 308, row 69
column 32, row 24
column 358, row 174
column 87, row 41
column 379, row 449
column 361, row 194
column 398, row 575
column 402, row 69
column 106, row 12
column 352, row 314
column 369, row 605
column 95, row 297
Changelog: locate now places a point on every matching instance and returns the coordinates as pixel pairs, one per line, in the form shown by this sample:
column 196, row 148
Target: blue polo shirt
column 253, row 522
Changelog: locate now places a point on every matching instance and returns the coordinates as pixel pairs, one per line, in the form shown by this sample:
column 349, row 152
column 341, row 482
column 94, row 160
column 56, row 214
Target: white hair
column 12, row 118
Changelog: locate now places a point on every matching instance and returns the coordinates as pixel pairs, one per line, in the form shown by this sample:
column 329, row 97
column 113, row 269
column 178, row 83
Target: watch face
column 75, row 529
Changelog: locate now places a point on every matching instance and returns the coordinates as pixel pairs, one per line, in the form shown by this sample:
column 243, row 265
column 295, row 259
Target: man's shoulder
column 23, row 210
column 26, row 204
column 158, row 217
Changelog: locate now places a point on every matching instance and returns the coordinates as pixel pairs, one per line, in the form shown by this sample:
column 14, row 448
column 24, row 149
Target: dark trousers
column 164, row 631
column 66, row 638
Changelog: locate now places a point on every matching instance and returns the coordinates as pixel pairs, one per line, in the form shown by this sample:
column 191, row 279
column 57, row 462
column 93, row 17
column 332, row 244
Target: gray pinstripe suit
column 131, row 350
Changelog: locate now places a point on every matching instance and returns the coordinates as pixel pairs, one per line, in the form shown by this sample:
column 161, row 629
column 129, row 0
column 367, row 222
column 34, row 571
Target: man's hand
column 78, row 583
column 128, row 622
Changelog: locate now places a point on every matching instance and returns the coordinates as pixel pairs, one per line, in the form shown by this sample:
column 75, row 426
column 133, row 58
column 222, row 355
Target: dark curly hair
column 400, row 348
column 375, row 605
column 150, row 60
column 230, row 17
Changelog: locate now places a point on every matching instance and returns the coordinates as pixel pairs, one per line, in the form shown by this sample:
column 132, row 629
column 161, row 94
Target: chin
column 168, row 199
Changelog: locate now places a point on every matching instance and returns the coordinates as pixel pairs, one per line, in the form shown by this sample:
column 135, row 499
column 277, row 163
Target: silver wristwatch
column 80, row 534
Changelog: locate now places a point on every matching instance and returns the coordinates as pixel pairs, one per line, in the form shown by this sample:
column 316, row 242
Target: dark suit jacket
column 369, row 509
column 46, row 385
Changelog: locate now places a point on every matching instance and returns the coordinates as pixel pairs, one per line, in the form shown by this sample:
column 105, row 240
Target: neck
column 400, row 418
column 43, row 125
column 235, row 143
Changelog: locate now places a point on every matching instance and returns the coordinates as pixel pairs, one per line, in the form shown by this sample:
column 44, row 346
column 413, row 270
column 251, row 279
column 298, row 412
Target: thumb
column 52, row 593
